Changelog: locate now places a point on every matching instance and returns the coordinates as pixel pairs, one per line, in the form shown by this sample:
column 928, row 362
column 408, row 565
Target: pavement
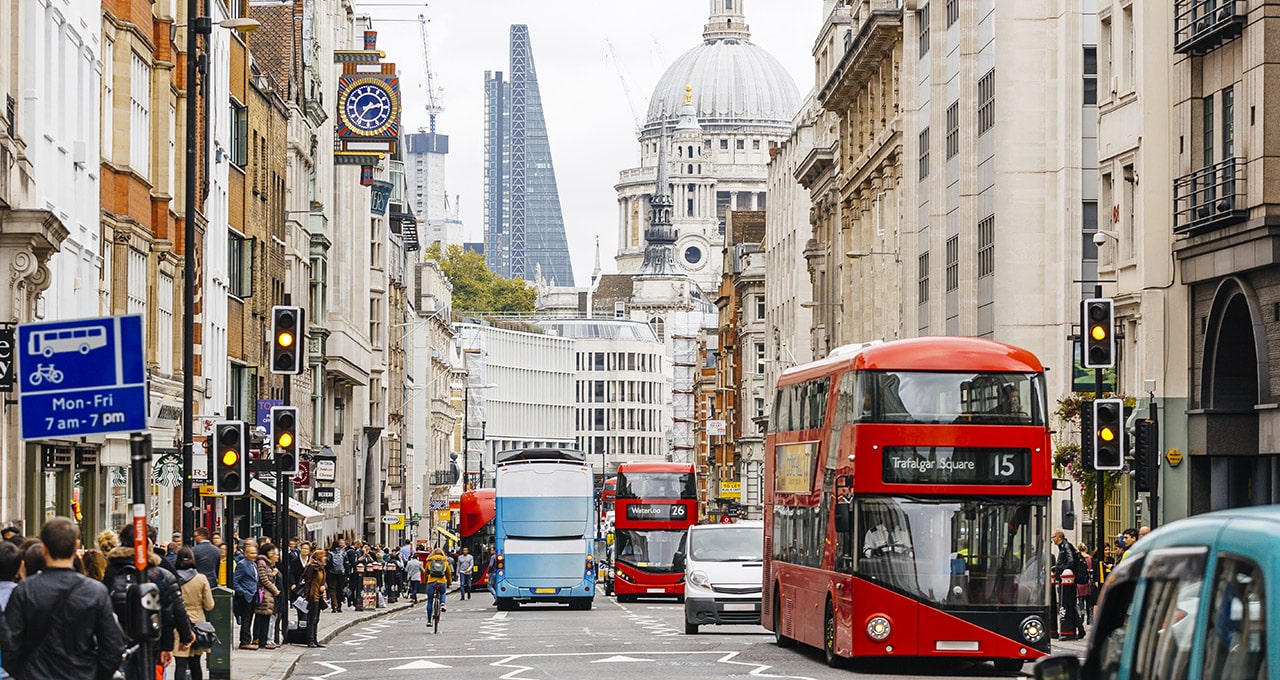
column 278, row 663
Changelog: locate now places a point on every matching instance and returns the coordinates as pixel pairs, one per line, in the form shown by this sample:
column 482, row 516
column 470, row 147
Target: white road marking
column 366, row 633
column 509, row 661
column 619, row 658
column 419, row 665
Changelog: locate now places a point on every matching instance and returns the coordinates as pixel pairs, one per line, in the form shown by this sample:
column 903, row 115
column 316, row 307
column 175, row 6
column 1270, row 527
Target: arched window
column 659, row 328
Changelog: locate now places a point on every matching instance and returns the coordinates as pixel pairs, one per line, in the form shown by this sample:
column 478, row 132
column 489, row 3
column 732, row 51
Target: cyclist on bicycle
column 438, row 575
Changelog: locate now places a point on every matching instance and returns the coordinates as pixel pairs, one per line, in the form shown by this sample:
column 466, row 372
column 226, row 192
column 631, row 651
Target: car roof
column 1248, row 531
column 735, row 525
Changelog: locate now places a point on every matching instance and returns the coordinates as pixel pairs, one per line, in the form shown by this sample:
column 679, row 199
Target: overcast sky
column 589, row 115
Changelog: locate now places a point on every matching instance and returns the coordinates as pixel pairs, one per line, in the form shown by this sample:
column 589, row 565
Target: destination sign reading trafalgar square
column 81, row 377
column 956, row 465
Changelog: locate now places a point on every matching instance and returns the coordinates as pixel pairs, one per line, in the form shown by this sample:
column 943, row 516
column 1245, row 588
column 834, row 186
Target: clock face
column 368, row 107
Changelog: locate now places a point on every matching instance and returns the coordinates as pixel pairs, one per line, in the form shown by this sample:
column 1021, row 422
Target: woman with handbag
column 313, row 591
column 267, row 593
column 198, row 597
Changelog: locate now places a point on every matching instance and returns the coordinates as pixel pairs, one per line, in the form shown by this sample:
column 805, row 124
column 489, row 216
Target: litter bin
column 223, row 620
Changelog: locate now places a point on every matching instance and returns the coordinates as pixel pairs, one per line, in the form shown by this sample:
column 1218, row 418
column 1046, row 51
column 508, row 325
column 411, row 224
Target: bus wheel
column 626, row 598
column 506, row 604
column 690, row 628
column 778, row 638
column 829, row 639
column 580, row 603
column 1008, row 665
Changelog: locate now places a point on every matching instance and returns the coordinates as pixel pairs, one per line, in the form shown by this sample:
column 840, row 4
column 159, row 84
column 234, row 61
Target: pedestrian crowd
column 1079, row 573
column 66, row 609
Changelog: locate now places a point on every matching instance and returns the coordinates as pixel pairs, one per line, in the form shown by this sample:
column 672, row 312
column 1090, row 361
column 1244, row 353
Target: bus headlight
column 878, row 627
column 700, row 579
column 1032, row 629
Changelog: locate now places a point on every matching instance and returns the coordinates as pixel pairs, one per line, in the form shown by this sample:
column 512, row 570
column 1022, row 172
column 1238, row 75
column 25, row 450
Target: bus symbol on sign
column 83, row 340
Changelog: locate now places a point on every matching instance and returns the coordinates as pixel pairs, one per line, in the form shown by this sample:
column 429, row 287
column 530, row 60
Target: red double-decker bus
column 653, row 505
column 907, row 503
column 475, row 527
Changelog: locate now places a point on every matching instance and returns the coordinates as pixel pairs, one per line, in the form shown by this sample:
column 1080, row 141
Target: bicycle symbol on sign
column 44, row 372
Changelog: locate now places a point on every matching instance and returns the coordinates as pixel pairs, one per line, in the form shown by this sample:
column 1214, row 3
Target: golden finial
column 688, row 94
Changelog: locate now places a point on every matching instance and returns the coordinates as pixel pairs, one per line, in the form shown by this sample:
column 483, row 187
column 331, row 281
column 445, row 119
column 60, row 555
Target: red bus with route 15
column 906, row 509
column 653, row 505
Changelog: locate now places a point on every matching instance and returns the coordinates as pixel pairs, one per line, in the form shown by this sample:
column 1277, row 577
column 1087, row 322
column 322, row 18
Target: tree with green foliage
column 476, row 288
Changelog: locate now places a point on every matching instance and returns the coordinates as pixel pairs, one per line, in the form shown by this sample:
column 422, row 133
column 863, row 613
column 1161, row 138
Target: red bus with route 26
column 653, row 505
column 906, row 510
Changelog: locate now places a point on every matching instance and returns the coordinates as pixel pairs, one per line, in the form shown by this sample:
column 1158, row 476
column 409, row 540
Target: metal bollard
column 223, row 621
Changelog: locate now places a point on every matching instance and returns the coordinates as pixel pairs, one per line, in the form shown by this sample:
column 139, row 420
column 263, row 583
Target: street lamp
column 196, row 25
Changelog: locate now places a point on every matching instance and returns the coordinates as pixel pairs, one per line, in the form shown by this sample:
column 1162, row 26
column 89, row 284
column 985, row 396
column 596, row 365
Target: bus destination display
column 956, row 465
column 658, row 512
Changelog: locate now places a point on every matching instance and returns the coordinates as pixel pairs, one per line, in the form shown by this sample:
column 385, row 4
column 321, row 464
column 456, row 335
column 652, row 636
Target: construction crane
column 623, row 79
column 434, row 97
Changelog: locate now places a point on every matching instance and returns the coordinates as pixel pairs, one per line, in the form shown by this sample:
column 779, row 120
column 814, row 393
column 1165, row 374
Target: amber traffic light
column 284, row 437
column 287, row 328
column 1097, row 319
column 1108, row 434
column 229, row 464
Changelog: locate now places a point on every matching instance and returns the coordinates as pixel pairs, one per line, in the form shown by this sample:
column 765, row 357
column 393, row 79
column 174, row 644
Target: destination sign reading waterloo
column 664, row 512
column 956, row 465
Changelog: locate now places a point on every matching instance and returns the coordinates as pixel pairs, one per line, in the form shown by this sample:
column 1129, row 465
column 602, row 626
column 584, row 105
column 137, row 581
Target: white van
column 723, row 565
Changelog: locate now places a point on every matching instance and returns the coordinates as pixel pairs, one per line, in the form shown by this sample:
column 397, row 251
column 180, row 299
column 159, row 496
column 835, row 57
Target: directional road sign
column 81, row 377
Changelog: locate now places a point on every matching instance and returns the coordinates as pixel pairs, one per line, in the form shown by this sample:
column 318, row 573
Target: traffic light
column 284, row 437
column 287, row 328
column 1108, row 434
column 1097, row 322
column 230, row 446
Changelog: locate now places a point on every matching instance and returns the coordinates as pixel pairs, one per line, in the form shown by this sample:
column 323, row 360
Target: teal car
column 1191, row 601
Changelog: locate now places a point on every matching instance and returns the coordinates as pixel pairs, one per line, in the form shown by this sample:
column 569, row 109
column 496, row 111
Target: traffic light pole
column 1100, row 507
column 1153, row 460
column 282, row 521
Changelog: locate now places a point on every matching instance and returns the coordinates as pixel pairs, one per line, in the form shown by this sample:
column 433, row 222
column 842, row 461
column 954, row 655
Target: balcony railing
column 444, row 478
column 1200, row 26
column 1212, row 196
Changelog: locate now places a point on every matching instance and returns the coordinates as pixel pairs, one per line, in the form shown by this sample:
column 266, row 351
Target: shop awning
column 267, row 494
column 449, row 534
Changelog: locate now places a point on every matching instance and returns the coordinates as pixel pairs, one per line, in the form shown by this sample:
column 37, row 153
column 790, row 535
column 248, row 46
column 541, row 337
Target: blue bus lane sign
column 81, row 377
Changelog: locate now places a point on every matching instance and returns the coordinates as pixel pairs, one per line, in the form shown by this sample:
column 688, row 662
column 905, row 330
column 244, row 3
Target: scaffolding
column 686, row 328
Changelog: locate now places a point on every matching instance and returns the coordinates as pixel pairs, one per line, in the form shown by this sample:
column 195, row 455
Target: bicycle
column 436, row 600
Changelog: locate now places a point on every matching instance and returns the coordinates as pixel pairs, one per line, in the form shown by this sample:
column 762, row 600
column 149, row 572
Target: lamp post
column 196, row 26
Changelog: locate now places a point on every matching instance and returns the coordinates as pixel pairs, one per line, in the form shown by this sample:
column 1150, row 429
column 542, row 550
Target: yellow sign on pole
column 442, row 516
column 1174, row 456
column 399, row 525
column 731, row 489
column 207, row 490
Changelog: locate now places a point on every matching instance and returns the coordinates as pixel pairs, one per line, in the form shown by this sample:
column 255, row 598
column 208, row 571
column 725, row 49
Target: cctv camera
column 1099, row 238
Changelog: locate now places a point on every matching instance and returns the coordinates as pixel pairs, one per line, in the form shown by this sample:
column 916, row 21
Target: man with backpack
column 439, row 576
column 1070, row 628
column 336, row 574
column 121, row 573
